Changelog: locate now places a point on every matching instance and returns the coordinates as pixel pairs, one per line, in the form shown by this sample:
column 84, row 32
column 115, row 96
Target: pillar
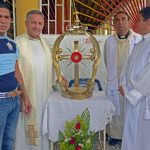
column 22, row 7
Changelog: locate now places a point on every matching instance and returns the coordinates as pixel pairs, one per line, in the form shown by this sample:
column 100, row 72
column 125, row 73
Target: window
column 57, row 15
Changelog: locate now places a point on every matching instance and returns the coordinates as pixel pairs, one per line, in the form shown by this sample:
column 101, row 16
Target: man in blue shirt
column 11, row 84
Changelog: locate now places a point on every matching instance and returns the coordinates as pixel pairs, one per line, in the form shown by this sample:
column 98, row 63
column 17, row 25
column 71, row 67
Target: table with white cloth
column 58, row 110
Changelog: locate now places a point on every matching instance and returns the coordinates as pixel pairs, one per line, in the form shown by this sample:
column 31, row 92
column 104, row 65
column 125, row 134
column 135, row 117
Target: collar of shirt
column 32, row 39
column 131, row 33
column 3, row 37
column 123, row 36
column 147, row 36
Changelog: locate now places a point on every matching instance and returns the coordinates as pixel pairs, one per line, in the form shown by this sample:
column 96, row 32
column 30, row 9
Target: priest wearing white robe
column 117, row 49
column 35, row 63
column 136, row 89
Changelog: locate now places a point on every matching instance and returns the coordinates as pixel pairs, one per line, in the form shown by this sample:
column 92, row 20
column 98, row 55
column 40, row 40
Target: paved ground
column 108, row 147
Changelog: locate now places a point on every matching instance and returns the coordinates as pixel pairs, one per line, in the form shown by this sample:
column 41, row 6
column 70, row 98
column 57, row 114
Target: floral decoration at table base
column 77, row 135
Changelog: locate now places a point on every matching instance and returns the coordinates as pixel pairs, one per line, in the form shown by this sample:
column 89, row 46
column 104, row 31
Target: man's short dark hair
column 145, row 12
column 122, row 12
column 4, row 5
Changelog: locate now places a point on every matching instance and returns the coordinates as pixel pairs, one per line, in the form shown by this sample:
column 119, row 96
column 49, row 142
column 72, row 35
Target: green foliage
column 86, row 118
column 77, row 135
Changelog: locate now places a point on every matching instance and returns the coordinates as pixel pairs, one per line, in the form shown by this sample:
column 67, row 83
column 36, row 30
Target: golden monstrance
column 76, row 56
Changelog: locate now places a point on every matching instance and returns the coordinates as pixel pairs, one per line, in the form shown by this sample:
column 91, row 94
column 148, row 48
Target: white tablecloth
column 58, row 110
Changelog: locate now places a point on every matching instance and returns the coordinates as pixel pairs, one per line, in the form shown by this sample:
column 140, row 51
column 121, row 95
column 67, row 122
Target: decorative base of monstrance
column 77, row 93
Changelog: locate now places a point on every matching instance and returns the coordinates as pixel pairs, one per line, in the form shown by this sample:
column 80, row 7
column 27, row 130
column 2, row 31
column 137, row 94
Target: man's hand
column 27, row 105
column 120, row 89
column 24, row 98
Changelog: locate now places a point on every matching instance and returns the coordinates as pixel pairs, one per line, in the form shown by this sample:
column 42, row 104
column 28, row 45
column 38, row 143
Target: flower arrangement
column 77, row 135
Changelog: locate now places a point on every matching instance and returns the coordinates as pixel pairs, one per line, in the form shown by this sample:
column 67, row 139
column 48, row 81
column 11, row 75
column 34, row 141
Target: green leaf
column 86, row 118
column 61, row 136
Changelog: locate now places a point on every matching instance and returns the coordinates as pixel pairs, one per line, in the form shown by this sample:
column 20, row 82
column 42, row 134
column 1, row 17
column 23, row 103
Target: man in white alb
column 136, row 89
column 117, row 49
column 36, row 67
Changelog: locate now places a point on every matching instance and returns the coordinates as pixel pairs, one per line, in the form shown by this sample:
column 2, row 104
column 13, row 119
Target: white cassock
column 136, row 86
column 36, row 72
column 116, row 52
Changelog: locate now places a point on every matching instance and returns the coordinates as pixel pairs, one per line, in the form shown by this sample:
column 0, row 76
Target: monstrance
column 75, row 57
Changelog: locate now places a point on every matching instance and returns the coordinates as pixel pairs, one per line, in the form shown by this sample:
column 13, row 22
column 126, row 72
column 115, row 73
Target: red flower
column 78, row 125
column 72, row 140
column 78, row 147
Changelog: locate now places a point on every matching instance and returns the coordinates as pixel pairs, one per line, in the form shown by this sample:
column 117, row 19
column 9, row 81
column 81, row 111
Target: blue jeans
column 9, row 113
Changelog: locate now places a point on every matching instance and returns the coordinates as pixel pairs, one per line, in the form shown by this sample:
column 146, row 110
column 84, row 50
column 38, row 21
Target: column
column 22, row 7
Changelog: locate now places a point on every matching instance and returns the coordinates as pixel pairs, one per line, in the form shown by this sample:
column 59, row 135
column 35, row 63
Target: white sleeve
column 142, row 81
column 132, row 95
column 139, row 86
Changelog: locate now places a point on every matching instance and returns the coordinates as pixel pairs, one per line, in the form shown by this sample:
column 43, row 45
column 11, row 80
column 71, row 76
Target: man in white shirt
column 136, row 89
column 117, row 49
